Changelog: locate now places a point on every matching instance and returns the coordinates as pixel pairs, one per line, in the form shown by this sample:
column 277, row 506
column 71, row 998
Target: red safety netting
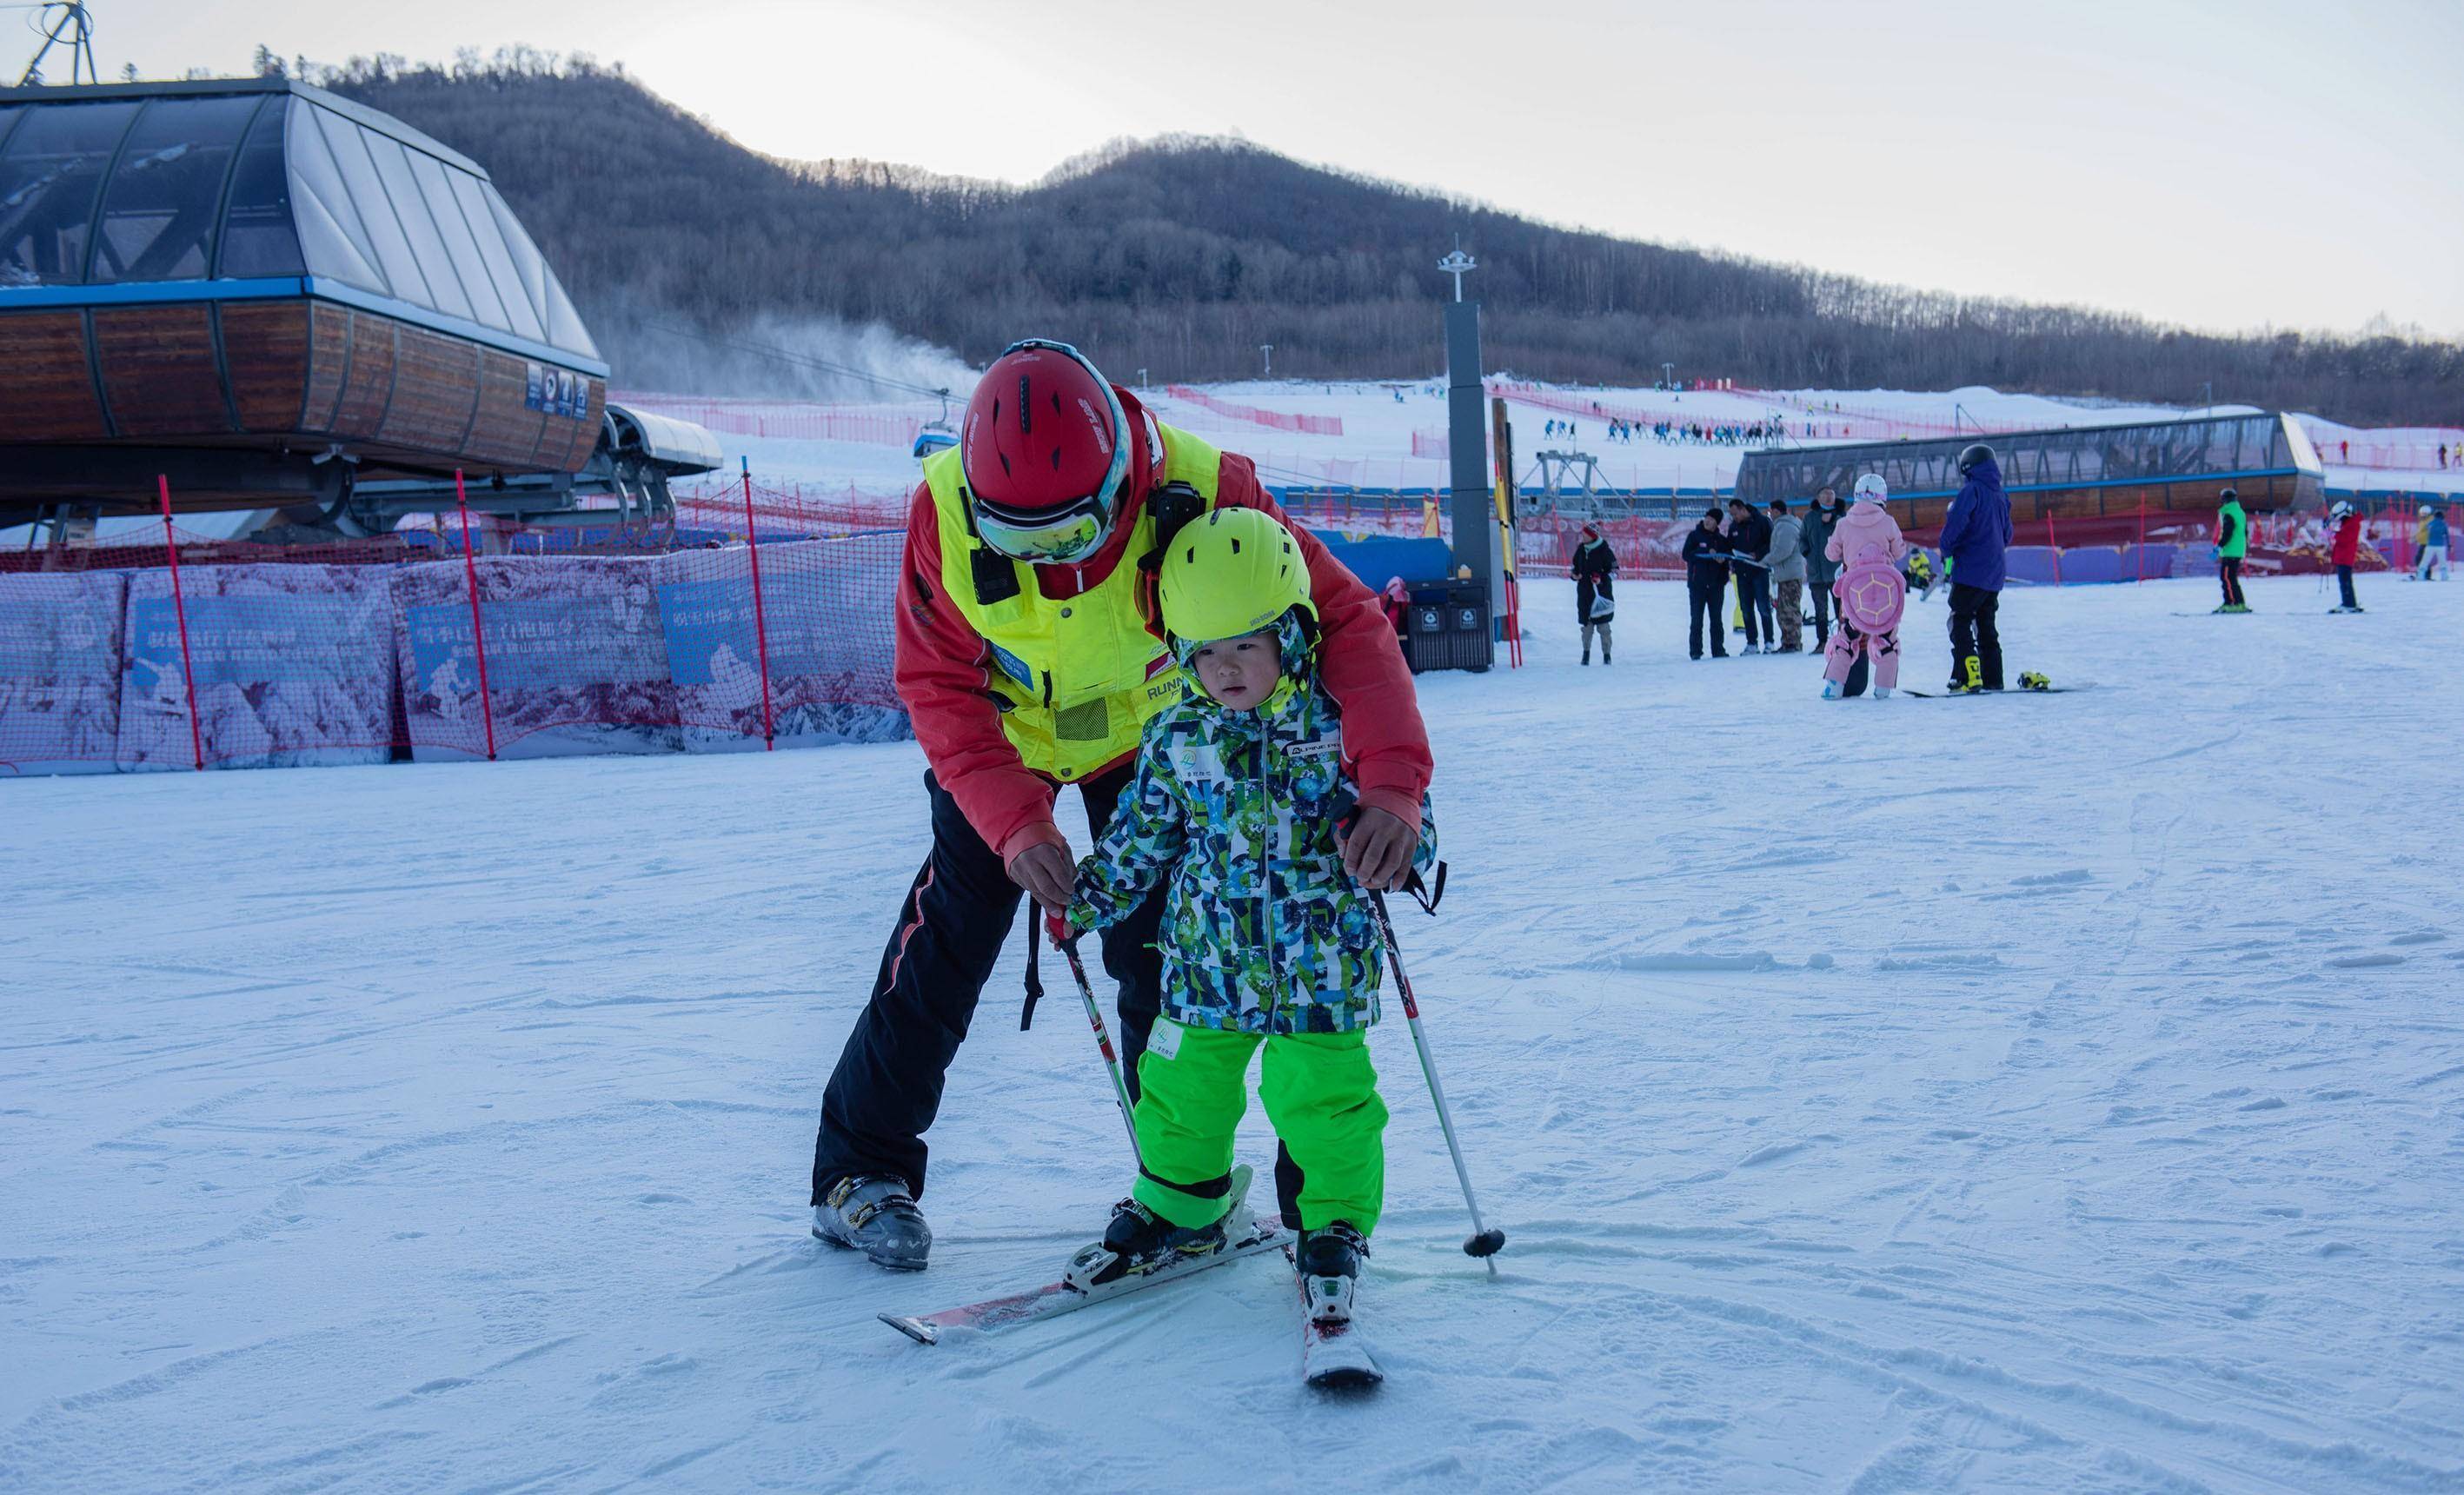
column 1280, row 420
column 454, row 641
column 787, row 420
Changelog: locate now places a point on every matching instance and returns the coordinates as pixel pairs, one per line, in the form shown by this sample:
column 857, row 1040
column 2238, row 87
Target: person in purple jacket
column 1974, row 534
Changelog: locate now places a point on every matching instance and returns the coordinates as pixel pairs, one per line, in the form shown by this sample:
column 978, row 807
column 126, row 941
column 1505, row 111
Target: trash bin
column 1449, row 627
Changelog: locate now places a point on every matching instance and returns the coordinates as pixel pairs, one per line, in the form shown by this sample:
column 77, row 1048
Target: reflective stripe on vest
column 1077, row 678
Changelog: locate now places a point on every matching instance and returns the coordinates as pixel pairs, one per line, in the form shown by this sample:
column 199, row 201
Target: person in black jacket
column 1706, row 582
column 1820, row 570
column 1748, row 537
column 1594, row 571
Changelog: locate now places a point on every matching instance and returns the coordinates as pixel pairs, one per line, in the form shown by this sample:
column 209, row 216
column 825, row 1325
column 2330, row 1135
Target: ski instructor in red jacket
column 1029, row 657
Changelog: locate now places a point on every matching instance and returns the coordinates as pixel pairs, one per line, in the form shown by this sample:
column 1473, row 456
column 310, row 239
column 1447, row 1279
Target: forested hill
column 1182, row 256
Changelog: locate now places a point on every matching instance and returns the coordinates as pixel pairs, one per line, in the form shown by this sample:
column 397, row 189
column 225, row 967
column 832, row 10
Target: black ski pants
column 2344, row 584
column 1973, row 634
column 2228, row 572
column 1753, row 597
column 1821, row 613
column 886, row 1088
column 1703, row 600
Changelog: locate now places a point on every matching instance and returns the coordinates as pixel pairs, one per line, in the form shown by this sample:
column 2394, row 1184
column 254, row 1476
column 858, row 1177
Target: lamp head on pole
column 1457, row 264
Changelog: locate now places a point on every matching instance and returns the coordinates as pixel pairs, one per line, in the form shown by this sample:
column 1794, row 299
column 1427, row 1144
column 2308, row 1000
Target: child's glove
column 1058, row 929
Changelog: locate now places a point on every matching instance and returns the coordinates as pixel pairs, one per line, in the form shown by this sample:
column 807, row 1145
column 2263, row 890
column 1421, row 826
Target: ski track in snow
column 447, row 1128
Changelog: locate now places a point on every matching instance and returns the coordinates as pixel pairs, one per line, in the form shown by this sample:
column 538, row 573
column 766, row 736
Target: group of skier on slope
column 1092, row 597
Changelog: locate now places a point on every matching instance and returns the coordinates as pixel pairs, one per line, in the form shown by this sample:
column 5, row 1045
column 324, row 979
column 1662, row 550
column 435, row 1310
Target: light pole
column 1668, row 375
column 1142, row 378
column 1267, row 351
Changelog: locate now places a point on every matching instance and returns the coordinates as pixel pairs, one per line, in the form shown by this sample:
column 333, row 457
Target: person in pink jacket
column 1870, row 590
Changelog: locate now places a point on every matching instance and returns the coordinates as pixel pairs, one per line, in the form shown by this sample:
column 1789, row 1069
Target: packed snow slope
column 446, row 1128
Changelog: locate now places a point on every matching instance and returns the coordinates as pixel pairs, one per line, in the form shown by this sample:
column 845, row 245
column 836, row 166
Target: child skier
column 2347, row 553
column 1870, row 591
column 1240, row 800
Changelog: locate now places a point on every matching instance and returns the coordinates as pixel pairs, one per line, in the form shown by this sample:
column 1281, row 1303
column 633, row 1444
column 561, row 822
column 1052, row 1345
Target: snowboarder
column 1247, row 771
column 1820, row 570
column 1706, row 577
column 1748, row 537
column 2233, row 543
column 2434, row 545
column 1594, row 571
column 1029, row 657
column 1866, row 548
column 1975, row 535
column 2346, row 553
column 1784, row 557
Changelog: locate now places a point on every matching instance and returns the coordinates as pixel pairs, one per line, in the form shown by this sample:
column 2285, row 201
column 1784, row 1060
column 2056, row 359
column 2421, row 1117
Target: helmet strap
column 995, row 575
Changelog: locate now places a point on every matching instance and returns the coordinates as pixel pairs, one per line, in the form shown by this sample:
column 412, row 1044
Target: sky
column 2223, row 167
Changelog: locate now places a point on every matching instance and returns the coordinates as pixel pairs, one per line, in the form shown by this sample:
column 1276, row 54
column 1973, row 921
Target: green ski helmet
column 1234, row 572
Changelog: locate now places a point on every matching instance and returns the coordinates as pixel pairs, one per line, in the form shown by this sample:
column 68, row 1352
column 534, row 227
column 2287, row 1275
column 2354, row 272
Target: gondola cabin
column 271, row 293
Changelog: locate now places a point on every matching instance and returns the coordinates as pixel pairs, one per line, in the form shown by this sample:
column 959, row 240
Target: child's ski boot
column 1830, row 689
column 1330, row 1267
column 1139, row 1242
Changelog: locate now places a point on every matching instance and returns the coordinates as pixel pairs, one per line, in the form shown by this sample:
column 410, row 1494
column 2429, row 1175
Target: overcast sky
column 2225, row 166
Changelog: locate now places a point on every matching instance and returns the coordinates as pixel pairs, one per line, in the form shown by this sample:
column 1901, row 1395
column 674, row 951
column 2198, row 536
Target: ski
column 1334, row 1355
column 1957, row 695
column 1064, row 1296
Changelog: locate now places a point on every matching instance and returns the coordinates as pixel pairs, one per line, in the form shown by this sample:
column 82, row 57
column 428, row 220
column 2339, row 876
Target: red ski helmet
column 1045, row 452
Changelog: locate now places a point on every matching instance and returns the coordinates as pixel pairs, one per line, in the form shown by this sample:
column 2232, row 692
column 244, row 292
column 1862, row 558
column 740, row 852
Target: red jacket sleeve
column 1359, row 662
column 942, row 673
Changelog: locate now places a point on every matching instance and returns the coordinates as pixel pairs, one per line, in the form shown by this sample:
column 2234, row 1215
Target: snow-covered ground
column 447, row 1128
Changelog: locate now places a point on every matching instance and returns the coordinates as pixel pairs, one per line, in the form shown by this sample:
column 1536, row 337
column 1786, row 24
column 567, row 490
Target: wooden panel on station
column 368, row 390
column 507, row 431
column 435, row 388
column 329, row 352
column 159, row 371
column 265, row 348
column 50, row 394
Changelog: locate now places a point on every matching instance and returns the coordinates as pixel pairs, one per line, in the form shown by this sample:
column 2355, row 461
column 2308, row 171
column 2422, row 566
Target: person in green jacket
column 2233, row 543
column 1241, row 800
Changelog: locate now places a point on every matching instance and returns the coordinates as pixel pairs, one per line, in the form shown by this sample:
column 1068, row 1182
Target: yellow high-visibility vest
column 1077, row 678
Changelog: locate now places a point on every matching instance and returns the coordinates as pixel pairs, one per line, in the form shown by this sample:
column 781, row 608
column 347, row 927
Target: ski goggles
column 1046, row 537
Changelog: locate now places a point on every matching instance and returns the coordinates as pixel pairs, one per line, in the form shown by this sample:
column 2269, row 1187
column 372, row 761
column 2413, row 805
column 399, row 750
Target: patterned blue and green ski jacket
column 1262, row 930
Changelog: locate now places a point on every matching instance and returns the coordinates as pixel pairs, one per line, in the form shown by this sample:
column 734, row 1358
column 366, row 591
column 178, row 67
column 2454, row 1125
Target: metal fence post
column 180, row 610
column 479, row 635
column 761, row 624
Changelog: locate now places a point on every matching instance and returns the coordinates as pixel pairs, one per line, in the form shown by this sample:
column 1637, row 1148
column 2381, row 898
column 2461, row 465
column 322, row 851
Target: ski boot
column 2033, row 680
column 1139, row 1242
column 1971, row 679
column 1330, row 1267
column 1830, row 689
column 875, row 1215
column 1882, row 693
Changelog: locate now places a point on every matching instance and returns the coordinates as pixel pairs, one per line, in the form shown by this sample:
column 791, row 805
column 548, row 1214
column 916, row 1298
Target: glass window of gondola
column 485, row 306
column 332, row 238
column 258, row 235
column 435, row 264
column 50, row 175
column 368, row 194
column 159, row 209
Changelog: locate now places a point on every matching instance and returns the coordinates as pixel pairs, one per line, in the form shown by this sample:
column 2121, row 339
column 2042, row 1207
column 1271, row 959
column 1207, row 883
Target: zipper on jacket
column 1266, row 872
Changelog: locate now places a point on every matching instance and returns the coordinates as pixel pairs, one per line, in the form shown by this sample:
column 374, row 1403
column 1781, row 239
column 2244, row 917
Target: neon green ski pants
column 1320, row 1092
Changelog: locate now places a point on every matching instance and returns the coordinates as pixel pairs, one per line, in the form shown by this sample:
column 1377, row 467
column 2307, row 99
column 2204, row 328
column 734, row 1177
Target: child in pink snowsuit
column 1870, row 591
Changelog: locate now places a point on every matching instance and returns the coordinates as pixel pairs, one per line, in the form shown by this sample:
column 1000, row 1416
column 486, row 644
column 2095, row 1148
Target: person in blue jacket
column 1974, row 534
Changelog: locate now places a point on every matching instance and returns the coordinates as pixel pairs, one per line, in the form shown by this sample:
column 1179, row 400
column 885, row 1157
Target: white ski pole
column 1102, row 1042
column 1484, row 1242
